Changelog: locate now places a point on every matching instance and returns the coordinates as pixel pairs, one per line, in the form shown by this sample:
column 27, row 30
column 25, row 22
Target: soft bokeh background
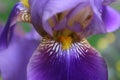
column 107, row 44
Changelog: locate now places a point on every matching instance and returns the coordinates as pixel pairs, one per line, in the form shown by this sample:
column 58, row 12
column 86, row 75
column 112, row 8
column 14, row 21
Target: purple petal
column 111, row 19
column 14, row 59
column 109, row 1
column 33, row 35
column 96, row 26
column 97, row 6
column 104, row 19
column 7, row 32
column 80, row 62
column 42, row 10
column 76, row 27
column 53, row 7
column 80, row 17
column 61, row 25
column 47, row 28
column 5, row 36
column 36, row 8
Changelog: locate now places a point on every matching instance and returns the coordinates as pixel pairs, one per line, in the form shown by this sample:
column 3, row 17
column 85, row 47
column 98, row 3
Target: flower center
column 66, row 38
column 66, row 42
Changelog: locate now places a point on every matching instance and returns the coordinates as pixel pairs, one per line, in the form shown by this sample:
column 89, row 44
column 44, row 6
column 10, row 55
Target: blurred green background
column 108, row 44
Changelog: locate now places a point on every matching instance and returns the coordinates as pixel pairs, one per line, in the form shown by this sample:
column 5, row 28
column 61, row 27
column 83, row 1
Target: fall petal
column 80, row 62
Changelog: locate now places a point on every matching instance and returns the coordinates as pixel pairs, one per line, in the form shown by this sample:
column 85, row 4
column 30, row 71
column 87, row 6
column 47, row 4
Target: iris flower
column 63, row 52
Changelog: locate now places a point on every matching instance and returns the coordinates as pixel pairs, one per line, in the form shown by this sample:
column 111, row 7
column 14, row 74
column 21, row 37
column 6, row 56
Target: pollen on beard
column 66, row 42
column 25, row 3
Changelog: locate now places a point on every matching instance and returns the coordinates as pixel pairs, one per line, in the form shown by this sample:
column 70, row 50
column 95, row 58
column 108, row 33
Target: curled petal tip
column 16, row 15
column 111, row 19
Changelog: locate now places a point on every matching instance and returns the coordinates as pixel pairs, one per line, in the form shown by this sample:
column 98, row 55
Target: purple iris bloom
column 63, row 52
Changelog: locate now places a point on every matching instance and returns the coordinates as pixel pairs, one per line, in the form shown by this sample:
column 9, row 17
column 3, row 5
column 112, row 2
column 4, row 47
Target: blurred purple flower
column 64, row 53
column 14, row 59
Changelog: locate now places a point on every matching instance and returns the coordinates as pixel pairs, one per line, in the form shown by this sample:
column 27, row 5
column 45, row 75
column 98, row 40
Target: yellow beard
column 25, row 3
column 66, row 42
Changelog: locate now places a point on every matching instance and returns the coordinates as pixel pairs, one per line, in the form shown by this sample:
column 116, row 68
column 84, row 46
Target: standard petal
column 111, row 19
column 36, row 9
column 96, row 26
column 53, row 7
column 61, row 25
column 76, row 27
column 80, row 62
column 42, row 10
column 82, row 15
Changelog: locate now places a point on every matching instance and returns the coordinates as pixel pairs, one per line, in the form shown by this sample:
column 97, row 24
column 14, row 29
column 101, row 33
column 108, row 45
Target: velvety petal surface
column 14, row 59
column 111, row 19
column 80, row 62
